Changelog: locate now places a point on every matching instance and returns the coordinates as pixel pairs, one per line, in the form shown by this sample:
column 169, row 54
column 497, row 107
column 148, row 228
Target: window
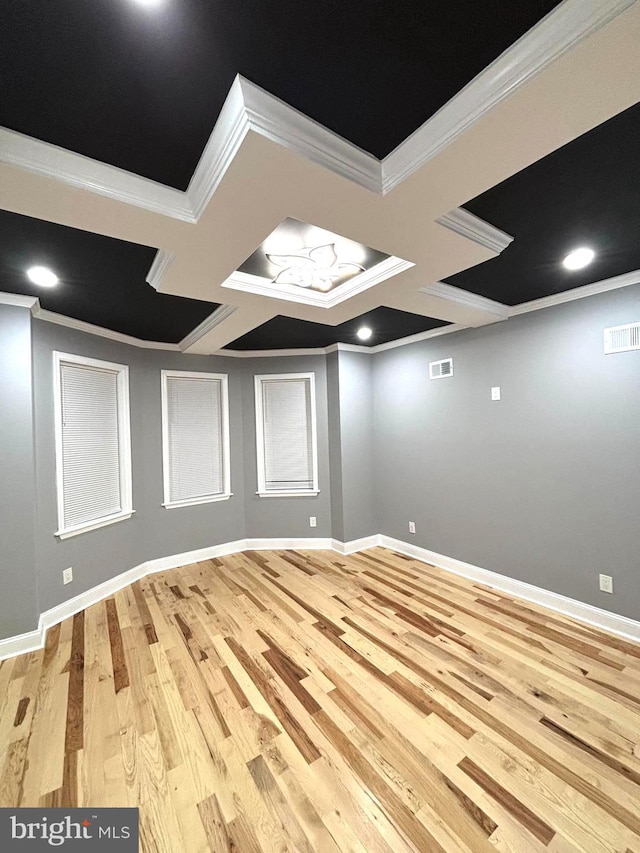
column 286, row 435
column 195, row 438
column 93, row 443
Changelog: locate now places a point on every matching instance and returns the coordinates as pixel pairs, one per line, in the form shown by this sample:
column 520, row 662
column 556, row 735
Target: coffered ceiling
column 150, row 152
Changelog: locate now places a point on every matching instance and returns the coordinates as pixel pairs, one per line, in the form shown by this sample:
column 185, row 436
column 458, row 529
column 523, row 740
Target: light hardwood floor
column 302, row 701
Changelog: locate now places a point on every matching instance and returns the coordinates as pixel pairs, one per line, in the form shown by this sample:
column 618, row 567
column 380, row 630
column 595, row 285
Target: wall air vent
column 622, row 338
column 441, row 369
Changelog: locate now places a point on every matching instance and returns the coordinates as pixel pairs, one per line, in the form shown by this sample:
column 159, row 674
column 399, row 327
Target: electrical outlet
column 495, row 392
column 606, row 583
column 312, row 521
column 67, row 575
column 412, row 527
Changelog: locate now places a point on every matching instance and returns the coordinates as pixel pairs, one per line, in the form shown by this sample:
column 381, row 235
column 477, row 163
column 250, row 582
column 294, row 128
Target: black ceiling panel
column 140, row 87
column 387, row 324
column 102, row 280
column 586, row 193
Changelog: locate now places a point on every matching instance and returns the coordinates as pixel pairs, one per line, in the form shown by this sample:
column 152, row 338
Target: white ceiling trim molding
column 271, row 353
column 159, row 267
column 80, row 326
column 292, row 293
column 586, row 290
column 340, row 347
column 464, row 297
column 82, row 172
column 226, row 138
column 18, row 300
column 468, row 225
column 248, row 107
column 420, row 336
column 440, row 289
column 218, row 316
column 555, row 34
column 281, row 123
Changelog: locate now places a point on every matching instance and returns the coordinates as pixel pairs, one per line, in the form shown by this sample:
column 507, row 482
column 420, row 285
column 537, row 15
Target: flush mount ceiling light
column 319, row 268
column 364, row 333
column 579, row 258
column 302, row 262
column 42, row 276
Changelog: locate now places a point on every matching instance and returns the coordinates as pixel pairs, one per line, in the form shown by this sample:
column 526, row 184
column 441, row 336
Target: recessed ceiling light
column 42, row 276
column 364, row 333
column 579, row 258
column 148, row 2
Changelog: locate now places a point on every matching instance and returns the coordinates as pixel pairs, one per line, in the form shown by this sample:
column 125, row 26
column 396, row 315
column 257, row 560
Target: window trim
column 262, row 489
column 124, row 445
column 226, row 444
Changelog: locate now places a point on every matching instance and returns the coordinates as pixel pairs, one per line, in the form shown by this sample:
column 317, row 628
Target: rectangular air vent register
column 622, row 338
column 441, row 369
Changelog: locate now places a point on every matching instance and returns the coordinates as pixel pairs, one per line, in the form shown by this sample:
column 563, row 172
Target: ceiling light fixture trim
column 294, row 293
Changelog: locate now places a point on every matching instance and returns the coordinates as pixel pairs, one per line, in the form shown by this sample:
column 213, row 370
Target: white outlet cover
column 606, row 583
column 312, row 521
column 412, row 527
column 495, row 392
column 67, row 576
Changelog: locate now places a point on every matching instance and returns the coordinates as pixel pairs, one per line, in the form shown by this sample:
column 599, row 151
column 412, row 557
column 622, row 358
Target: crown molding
column 82, row 172
column 464, row 297
column 226, row 138
column 281, row 123
column 270, row 353
column 420, row 336
column 558, row 32
column 586, row 290
column 248, row 107
column 18, row 300
column 161, row 263
column 340, row 347
column 221, row 313
column 473, row 228
column 80, row 326
column 439, row 289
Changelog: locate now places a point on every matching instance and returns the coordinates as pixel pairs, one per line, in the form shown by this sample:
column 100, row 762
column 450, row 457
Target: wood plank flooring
column 302, row 701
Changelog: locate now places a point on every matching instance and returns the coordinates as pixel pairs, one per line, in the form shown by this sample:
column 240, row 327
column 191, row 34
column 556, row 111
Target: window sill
column 197, row 501
column 305, row 494
column 93, row 525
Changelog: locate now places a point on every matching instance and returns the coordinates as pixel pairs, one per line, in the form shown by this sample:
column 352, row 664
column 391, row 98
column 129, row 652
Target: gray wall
column 542, row 486
column 357, row 471
column 286, row 517
column 335, row 446
column 18, row 601
column 153, row 531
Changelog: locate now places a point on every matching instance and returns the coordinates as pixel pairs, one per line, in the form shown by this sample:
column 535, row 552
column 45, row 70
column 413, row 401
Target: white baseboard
column 621, row 626
column 355, row 544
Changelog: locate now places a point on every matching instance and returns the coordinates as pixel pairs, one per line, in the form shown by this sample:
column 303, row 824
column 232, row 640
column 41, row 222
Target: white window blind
column 195, row 433
column 285, row 409
column 92, row 431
